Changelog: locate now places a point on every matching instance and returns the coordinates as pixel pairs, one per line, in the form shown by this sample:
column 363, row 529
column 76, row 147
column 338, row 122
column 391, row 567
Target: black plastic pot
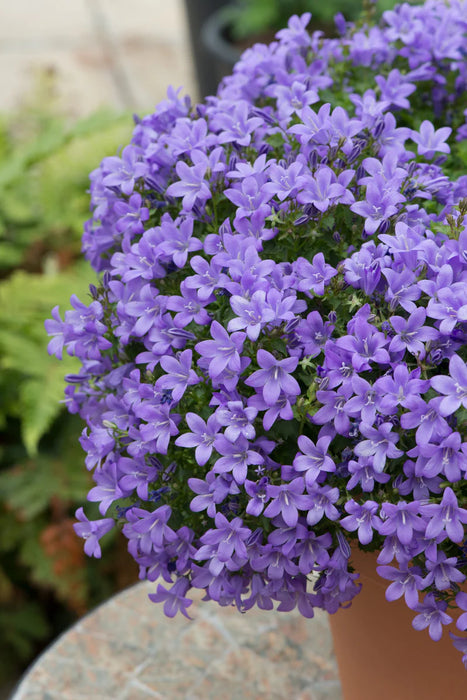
column 213, row 56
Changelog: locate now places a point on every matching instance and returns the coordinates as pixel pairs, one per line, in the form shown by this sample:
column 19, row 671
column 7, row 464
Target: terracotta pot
column 381, row 656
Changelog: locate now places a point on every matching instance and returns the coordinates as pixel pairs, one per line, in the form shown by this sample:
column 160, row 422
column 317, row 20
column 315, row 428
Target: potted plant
column 273, row 363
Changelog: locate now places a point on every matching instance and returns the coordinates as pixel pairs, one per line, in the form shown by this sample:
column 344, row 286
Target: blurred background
column 71, row 75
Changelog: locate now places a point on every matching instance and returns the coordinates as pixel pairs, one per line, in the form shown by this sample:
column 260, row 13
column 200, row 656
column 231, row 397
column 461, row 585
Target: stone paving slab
column 128, row 650
column 103, row 52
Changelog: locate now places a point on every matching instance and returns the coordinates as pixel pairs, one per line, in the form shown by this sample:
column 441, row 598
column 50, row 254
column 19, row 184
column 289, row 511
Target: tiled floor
column 128, row 650
column 104, row 52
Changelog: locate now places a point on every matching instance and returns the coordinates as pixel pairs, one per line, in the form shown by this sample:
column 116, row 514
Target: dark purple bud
column 169, row 471
column 154, row 462
column 378, row 128
column 181, row 333
column 322, row 383
column 121, row 512
column 290, row 325
column 303, row 219
column 336, row 236
column 197, row 211
column 452, row 421
column 166, row 396
column 264, row 148
column 257, row 112
column 93, row 291
column 343, row 545
column 354, row 153
column 311, row 210
column 384, row 226
column 256, row 537
column 232, row 161
column 314, row 160
column 360, row 173
column 77, row 378
column 293, row 341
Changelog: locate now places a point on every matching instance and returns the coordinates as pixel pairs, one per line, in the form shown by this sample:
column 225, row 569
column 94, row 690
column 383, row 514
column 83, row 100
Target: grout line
column 110, row 47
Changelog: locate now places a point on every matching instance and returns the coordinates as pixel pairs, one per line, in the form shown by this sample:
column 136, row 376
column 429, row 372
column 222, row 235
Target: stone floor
column 104, row 52
column 128, row 650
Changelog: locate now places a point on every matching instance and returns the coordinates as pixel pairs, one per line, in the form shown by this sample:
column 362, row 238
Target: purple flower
column 322, row 189
column 379, row 205
column 410, row 333
column 91, row 531
column 443, row 572
column 209, row 493
column 179, row 374
column 396, row 389
column 287, row 500
column 362, row 518
column 174, row 599
column 223, row 352
column 407, row 581
column 178, row 241
column 445, row 517
column 314, row 276
column 202, row 436
column 401, row 519
column 251, row 314
column 192, row 186
column 222, row 542
column 274, row 377
column 431, row 614
column 454, row 386
column 427, row 417
column 430, row 140
column 380, row 444
column 238, row 420
column 236, row 457
column 126, row 170
column 314, row 458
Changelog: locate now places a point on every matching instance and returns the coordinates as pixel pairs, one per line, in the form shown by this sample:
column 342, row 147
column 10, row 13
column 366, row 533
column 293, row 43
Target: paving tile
column 40, row 22
column 145, row 18
column 83, row 83
column 152, row 65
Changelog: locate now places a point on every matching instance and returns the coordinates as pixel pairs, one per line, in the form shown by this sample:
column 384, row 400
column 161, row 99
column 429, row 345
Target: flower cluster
column 273, row 365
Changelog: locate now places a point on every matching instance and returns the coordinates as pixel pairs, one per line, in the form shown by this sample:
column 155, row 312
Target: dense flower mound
column 274, row 361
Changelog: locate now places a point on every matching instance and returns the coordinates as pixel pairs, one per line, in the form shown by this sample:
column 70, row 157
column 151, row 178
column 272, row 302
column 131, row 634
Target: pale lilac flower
column 430, row 140
column 91, row 531
column 274, row 377
column 454, row 386
column 431, row 614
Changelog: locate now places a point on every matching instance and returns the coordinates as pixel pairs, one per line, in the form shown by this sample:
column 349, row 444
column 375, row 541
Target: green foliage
column 259, row 17
column 25, row 301
column 45, row 579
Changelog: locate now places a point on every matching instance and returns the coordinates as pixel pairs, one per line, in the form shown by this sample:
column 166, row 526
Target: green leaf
column 39, row 404
column 22, row 627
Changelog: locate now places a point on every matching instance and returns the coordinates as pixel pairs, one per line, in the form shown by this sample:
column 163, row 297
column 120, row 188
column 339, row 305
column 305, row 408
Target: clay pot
column 380, row 655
